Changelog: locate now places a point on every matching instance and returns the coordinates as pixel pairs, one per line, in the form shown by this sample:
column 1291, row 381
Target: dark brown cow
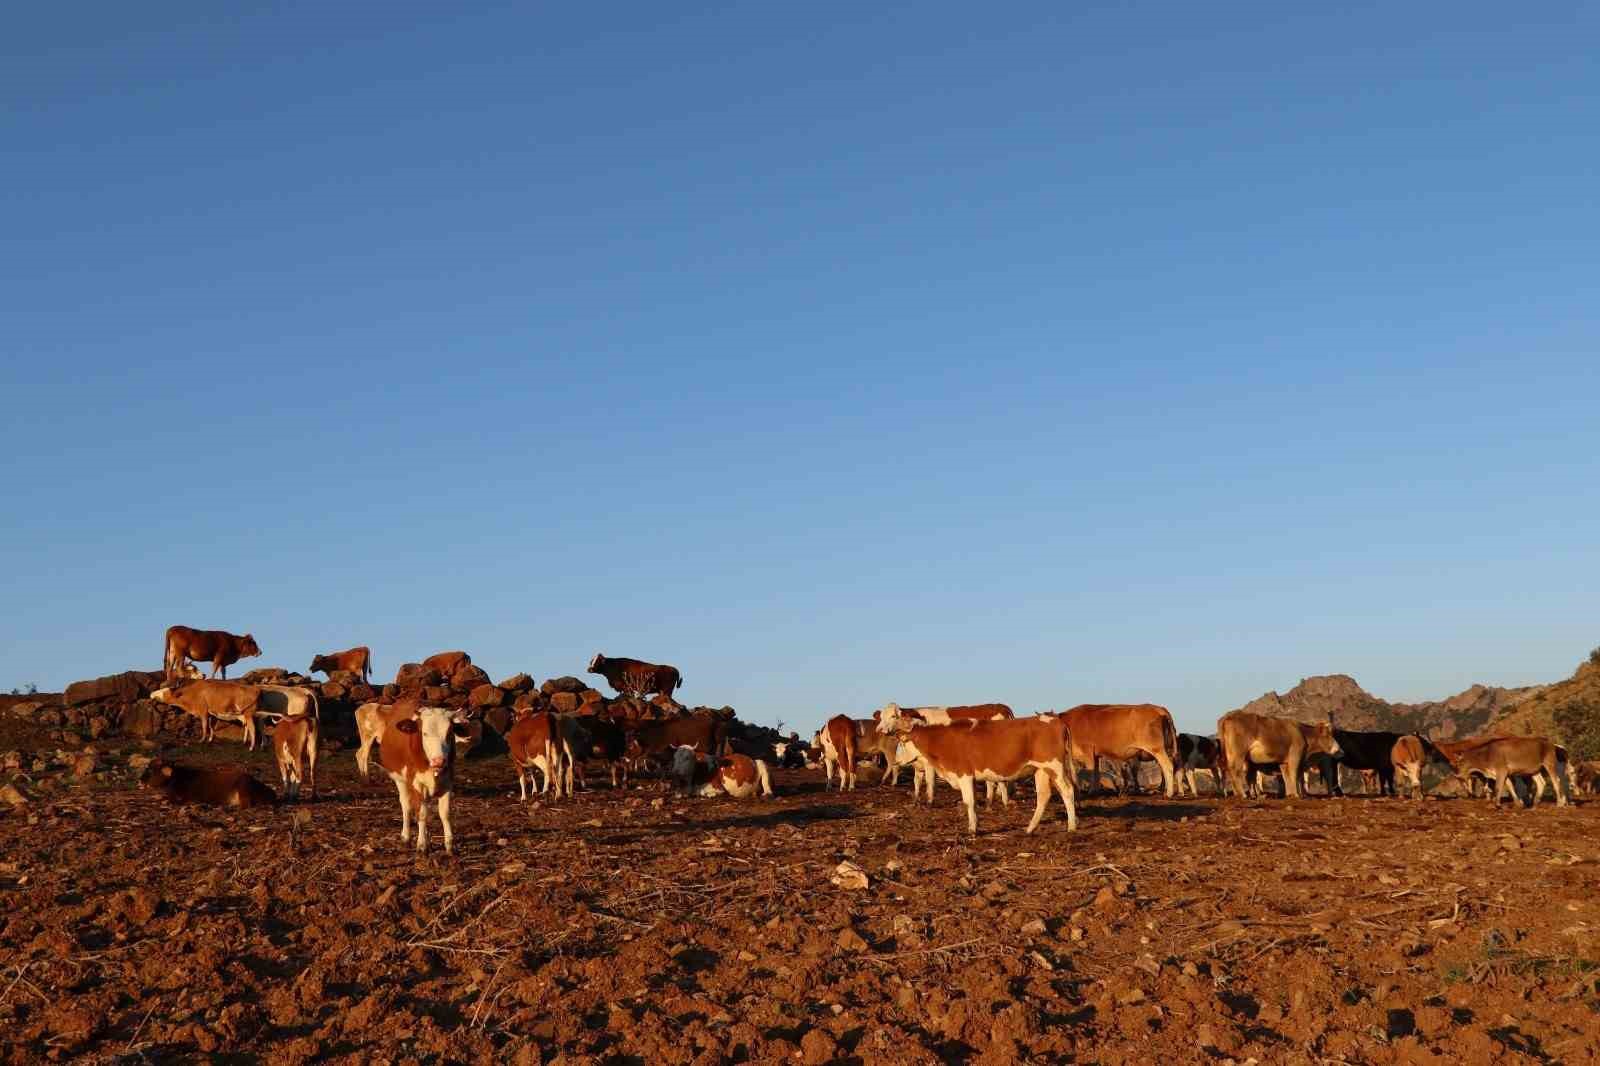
column 634, row 677
column 608, row 742
column 419, row 754
column 838, row 740
column 999, row 750
column 217, row 788
column 214, row 646
column 704, row 733
column 356, row 661
column 447, row 662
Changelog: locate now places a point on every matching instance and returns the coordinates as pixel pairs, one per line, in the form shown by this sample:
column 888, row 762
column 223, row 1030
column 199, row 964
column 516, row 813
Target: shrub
column 1594, row 656
column 1578, row 725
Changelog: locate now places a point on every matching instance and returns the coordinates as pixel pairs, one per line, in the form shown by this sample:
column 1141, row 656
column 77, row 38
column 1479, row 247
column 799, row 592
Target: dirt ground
column 617, row 929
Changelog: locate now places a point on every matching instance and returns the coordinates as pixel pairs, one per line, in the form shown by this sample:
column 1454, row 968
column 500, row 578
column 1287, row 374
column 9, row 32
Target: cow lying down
column 227, row 787
column 735, row 775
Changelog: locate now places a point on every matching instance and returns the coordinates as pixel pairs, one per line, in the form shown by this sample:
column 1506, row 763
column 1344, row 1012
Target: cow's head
column 163, row 695
column 1320, row 738
column 892, row 720
column 435, row 727
column 594, row 664
column 248, row 646
column 324, row 663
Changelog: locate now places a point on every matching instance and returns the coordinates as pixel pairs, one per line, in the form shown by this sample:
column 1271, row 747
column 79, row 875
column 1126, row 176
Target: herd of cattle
column 417, row 745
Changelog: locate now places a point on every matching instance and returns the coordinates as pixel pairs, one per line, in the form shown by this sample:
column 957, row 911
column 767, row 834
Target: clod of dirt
column 1034, row 928
column 13, row 795
column 850, row 940
column 817, row 1047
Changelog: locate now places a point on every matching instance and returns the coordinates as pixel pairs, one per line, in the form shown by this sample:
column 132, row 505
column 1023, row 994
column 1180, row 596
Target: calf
column 608, row 742
column 838, row 740
column 1000, row 750
column 532, row 743
column 356, row 661
column 217, row 788
column 294, row 741
column 228, row 700
column 685, row 769
column 1196, row 753
column 791, row 754
column 420, row 758
column 1409, row 755
column 1257, row 738
column 446, row 663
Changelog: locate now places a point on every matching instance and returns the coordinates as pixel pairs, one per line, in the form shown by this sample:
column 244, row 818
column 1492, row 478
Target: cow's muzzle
column 437, row 762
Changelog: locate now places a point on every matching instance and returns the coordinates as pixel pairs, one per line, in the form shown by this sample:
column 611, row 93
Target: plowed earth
column 608, row 929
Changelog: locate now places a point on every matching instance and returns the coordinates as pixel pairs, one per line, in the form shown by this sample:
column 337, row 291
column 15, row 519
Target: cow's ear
column 406, row 725
column 166, row 771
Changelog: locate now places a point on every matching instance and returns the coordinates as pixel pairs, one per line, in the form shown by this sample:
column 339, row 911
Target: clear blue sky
column 1039, row 353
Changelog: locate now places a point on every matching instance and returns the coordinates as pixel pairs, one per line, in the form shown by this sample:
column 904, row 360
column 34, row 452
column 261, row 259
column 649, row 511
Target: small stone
column 1034, row 928
column 850, row 940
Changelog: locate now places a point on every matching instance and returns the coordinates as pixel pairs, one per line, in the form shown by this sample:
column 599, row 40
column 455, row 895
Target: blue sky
column 1038, row 353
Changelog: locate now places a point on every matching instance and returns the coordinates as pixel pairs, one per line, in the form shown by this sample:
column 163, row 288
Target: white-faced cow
column 419, row 755
column 999, row 750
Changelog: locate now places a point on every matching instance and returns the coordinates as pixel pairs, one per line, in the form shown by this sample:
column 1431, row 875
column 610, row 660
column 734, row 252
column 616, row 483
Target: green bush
column 1578, row 725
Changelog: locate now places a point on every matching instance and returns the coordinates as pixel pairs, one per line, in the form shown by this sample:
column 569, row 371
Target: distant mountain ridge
column 1467, row 713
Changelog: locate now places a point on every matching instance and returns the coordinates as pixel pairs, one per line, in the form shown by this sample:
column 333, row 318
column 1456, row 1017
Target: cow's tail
column 1169, row 738
column 763, row 777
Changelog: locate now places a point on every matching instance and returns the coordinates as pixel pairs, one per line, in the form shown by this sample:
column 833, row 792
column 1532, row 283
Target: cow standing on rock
column 215, row 646
column 356, row 661
column 633, row 677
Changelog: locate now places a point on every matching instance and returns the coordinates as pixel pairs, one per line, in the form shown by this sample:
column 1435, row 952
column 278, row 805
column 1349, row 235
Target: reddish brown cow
column 1000, row 750
column 214, row 646
column 228, row 787
column 420, row 757
column 447, row 662
column 355, row 661
column 532, row 747
column 838, row 740
column 705, row 733
column 373, row 721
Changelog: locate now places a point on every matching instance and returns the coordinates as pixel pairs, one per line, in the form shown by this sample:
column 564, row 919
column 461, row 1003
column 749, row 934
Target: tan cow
column 999, row 750
column 1409, row 755
column 290, row 701
column 1249, row 738
column 888, row 720
column 356, row 661
column 1501, row 758
column 294, row 741
column 1124, row 731
column 228, row 700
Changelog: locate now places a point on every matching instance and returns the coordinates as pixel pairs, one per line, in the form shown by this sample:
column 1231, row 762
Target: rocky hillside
column 1568, row 710
column 1465, row 714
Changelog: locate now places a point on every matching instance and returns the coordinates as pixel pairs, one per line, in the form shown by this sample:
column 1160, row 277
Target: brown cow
column 1124, row 731
column 705, row 733
column 420, row 757
column 999, row 750
column 532, row 747
column 228, row 787
column 1249, row 738
column 373, row 721
column 356, row 661
column 294, row 740
column 634, row 677
column 739, row 776
column 1409, row 755
column 1501, row 758
column 838, row 741
column 214, row 646
column 228, row 700
column 447, row 662
column 888, row 719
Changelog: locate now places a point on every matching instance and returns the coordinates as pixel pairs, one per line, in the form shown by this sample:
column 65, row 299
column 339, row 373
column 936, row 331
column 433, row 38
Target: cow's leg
column 444, row 824
column 1555, row 782
column 311, row 767
column 1041, row 786
column 421, row 802
column 1236, row 774
column 1069, row 795
column 827, row 773
column 1165, row 763
column 1291, row 777
column 969, row 798
column 363, row 751
column 405, row 810
column 1502, row 785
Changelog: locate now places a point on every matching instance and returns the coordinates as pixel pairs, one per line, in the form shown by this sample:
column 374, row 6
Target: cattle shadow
column 1145, row 812
column 795, row 816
